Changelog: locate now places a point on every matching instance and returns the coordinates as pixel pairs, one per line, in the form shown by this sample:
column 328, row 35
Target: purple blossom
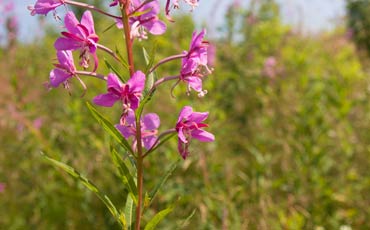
column 189, row 125
column 128, row 93
column 80, row 36
column 195, row 62
column 64, row 70
column 44, row 6
column 149, row 125
column 147, row 21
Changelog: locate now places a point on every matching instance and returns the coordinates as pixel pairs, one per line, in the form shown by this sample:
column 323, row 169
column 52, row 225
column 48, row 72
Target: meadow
column 290, row 112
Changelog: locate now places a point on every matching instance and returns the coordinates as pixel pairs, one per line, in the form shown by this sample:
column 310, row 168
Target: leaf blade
column 110, row 128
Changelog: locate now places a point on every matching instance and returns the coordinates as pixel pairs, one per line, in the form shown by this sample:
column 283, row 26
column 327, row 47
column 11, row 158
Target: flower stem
column 91, row 74
column 127, row 31
column 140, row 172
column 174, row 57
column 124, row 6
column 109, row 51
column 90, row 7
column 162, row 80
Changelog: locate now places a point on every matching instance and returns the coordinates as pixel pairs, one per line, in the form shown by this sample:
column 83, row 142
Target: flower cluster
column 140, row 18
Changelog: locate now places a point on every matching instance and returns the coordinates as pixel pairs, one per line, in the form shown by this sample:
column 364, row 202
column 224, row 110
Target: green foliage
column 359, row 22
column 292, row 149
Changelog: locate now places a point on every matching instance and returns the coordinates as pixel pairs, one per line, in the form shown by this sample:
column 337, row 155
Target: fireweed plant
column 135, row 132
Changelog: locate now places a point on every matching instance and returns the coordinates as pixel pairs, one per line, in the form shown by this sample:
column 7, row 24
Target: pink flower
column 269, row 68
column 44, row 6
column 64, row 70
column 189, row 125
column 80, row 36
column 149, row 125
column 147, row 21
column 195, row 62
column 128, row 93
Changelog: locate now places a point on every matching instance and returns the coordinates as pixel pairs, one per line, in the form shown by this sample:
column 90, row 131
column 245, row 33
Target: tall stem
column 127, row 31
column 124, row 5
column 140, row 176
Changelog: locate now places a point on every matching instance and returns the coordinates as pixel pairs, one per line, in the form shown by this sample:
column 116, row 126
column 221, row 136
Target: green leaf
column 149, row 59
column 110, row 128
column 158, row 218
column 123, row 60
column 125, row 174
column 129, row 212
column 110, row 67
column 186, row 221
column 109, row 27
column 89, row 185
column 154, row 192
column 139, row 13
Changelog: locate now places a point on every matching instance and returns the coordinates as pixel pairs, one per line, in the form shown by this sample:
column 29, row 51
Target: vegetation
column 290, row 113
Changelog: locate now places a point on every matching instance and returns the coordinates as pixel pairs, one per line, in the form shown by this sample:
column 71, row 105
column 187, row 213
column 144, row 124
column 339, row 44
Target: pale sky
column 314, row 15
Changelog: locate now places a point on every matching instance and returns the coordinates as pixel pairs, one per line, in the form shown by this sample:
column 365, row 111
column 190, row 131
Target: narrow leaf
column 89, row 185
column 110, row 128
column 129, row 212
column 186, row 221
column 125, row 174
column 109, row 27
column 154, row 192
column 110, row 67
column 158, row 218
column 122, row 59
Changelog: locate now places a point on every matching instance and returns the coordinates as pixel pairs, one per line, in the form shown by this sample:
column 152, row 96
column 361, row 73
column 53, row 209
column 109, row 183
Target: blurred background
column 289, row 104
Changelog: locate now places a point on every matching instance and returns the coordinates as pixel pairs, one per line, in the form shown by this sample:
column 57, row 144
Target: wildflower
column 44, row 6
column 189, row 125
column 148, row 20
column 194, row 64
column 64, row 70
column 149, row 125
column 80, row 36
column 128, row 93
column 269, row 68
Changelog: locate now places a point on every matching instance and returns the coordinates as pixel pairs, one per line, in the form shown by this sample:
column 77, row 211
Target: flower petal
column 124, row 130
column 137, row 82
column 106, row 100
column 182, row 147
column 149, row 141
column 113, row 82
column 66, row 44
column 65, row 59
column 156, row 27
column 181, row 135
column 198, row 117
column 71, row 22
column 88, row 21
column 58, row 76
column 151, row 121
column 195, row 83
column 185, row 113
column 202, row 135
